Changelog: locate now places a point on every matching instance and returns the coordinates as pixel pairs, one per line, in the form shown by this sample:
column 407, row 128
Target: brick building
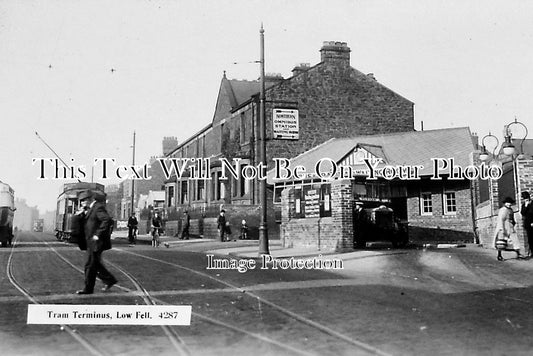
column 332, row 99
column 317, row 210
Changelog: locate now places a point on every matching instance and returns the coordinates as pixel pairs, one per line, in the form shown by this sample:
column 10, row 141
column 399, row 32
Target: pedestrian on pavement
column 505, row 237
column 244, row 230
column 96, row 229
column 156, row 228
column 132, row 228
column 526, row 211
column 221, row 225
column 360, row 225
column 186, row 225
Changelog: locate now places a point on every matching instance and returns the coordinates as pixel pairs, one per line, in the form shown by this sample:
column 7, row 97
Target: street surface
column 410, row 301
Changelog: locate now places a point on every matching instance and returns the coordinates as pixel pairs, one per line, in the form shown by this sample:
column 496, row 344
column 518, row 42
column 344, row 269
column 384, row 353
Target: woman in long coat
column 505, row 229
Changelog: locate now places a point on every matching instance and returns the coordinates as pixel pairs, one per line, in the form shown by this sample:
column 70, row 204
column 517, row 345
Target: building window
column 219, row 186
column 234, row 186
column 450, row 204
column 184, row 191
column 200, row 195
column 426, row 205
column 244, row 184
column 170, row 196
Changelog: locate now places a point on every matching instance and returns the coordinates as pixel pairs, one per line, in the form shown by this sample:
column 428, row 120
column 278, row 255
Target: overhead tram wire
column 54, row 152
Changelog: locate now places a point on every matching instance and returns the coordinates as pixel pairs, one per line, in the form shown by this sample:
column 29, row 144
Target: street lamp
column 508, row 147
column 484, row 156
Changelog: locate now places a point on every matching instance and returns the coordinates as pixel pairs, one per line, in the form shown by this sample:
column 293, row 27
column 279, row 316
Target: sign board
column 285, row 124
column 312, row 204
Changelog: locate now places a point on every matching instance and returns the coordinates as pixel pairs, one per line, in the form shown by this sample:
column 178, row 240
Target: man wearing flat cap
column 97, row 234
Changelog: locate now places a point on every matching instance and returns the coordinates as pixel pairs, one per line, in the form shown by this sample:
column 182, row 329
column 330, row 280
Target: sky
column 86, row 74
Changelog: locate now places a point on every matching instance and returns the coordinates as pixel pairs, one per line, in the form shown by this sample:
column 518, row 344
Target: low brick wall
column 210, row 228
column 172, row 227
column 333, row 233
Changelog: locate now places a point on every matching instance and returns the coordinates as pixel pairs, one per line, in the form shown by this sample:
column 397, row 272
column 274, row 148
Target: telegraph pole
column 263, row 227
column 133, row 180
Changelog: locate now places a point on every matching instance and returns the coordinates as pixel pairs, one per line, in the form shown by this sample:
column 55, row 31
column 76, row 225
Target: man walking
column 97, row 234
column 526, row 210
column 186, row 225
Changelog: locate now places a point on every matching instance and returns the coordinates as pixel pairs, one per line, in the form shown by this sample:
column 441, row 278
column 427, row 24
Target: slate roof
column 405, row 148
column 242, row 90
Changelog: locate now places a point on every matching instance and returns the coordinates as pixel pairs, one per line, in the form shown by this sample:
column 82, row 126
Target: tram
column 68, row 204
column 7, row 209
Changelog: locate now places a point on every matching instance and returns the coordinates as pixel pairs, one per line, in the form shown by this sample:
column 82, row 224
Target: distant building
column 114, row 199
column 49, row 221
column 24, row 215
column 143, row 186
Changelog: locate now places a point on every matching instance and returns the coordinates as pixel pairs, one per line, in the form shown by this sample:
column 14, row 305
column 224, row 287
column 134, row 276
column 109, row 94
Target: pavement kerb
column 276, row 250
column 280, row 252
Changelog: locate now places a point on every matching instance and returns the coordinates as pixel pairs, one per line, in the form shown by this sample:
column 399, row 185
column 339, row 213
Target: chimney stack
column 273, row 79
column 335, row 52
column 169, row 144
column 300, row 68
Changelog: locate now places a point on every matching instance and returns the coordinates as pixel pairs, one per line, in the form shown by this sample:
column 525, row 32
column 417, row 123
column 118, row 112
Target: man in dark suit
column 360, row 225
column 97, row 234
column 221, row 225
column 186, row 225
column 526, row 210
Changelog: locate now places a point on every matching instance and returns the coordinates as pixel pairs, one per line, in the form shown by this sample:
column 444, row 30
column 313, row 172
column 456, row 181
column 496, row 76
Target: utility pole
column 263, row 227
column 133, row 180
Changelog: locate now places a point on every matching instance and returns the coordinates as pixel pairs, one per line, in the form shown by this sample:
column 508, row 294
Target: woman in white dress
column 505, row 230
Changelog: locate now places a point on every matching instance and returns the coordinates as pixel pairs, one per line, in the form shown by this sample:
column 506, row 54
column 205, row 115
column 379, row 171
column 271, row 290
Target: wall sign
column 285, row 124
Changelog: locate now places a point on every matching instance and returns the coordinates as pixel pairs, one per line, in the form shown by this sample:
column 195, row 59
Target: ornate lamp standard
column 508, row 147
column 485, row 155
column 509, row 150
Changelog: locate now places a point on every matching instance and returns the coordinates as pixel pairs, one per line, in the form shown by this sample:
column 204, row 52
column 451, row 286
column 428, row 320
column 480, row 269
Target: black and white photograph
column 285, row 177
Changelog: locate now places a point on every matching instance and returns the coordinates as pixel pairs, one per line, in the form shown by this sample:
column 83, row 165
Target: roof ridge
column 315, row 148
column 410, row 132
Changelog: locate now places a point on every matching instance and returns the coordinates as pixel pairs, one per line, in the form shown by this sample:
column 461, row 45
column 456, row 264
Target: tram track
column 322, row 328
column 174, row 337
column 268, row 307
column 88, row 345
column 177, row 340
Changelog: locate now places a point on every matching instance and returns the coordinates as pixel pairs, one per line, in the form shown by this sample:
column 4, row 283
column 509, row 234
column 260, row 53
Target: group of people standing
column 505, row 236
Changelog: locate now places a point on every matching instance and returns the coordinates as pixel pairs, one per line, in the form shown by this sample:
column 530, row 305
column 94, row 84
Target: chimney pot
column 300, row 68
column 335, row 52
